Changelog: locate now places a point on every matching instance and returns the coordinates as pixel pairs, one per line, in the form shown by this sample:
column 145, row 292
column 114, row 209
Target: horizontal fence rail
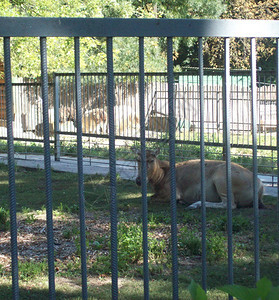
column 118, row 27
column 71, row 96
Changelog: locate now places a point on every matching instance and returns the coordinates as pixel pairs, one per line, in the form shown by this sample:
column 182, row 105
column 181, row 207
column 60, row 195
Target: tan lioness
column 188, row 182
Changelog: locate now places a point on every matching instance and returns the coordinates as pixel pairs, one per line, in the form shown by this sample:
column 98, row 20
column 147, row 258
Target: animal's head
column 151, row 164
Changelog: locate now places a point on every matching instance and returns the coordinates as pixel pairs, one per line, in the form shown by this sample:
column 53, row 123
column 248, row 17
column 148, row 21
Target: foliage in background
column 240, row 47
column 26, row 63
column 93, row 50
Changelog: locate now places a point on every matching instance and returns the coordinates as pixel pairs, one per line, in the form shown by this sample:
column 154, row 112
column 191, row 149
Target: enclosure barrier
column 28, row 106
column 110, row 28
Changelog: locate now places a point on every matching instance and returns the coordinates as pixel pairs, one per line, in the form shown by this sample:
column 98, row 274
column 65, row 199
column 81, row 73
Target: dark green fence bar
column 11, row 165
column 80, row 169
column 202, row 158
column 143, row 170
column 112, row 169
column 228, row 158
column 255, row 163
column 47, row 162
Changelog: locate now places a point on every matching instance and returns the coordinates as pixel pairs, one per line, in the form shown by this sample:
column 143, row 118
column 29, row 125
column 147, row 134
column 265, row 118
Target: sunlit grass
column 31, row 206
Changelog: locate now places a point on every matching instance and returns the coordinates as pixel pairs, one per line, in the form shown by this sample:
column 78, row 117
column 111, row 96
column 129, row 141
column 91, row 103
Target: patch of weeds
column 102, row 265
column 130, row 250
column 30, row 270
column 4, row 219
column 78, row 245
column 189, row 241
column 190, row 218
column 216, row 248
column 30, row 219
column 100, row 242
column 26, row 210
column 239, row 223
column 70, row 232
column 130, row 245
column 157, row 218
column 64, row 208
column 71, row 268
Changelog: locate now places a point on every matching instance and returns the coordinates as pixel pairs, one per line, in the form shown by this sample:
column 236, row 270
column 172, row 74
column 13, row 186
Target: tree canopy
column 26, row 53
column 240, row 47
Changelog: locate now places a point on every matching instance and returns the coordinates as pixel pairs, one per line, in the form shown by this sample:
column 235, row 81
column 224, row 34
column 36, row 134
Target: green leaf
column 240, row 292
column 273, row 294
column 263, row 288
column 196, row 291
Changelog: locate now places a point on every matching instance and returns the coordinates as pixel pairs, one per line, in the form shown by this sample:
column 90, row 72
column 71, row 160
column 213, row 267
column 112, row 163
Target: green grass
column 31, row 202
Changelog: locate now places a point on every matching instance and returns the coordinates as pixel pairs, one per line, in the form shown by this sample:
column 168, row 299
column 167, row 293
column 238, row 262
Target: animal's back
column 188, row 177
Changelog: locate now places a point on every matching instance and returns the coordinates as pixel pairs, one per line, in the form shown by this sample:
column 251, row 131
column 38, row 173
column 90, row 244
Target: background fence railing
column 28, row 105
column 28, row 117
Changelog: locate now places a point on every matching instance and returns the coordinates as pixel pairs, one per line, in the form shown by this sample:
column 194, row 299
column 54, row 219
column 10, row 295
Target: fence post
column 80, row 169
column 47, row 163
column 57, row 149
column 255, row 163
column 224, row 154
column 172, row 169
column 11, row 166
column 227, row 147
column 112, row 169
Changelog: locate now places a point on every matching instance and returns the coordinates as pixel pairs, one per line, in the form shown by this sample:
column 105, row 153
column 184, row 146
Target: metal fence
column 165, row 115
column 28, row 112
column 27, row 106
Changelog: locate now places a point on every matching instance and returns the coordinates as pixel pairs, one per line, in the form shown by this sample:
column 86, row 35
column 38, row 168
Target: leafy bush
column 263, row 291
column 196, row 291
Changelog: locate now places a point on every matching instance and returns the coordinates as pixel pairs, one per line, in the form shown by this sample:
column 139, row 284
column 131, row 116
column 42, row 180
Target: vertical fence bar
column 112, row 169
column 277, row 116
column 202, row 156
column 56, row 117
column 50, row 243
column 80, row 168
column 11, row 165
column 172, row 168
column 227, row 119
column 255, row 164
column 143, row 169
